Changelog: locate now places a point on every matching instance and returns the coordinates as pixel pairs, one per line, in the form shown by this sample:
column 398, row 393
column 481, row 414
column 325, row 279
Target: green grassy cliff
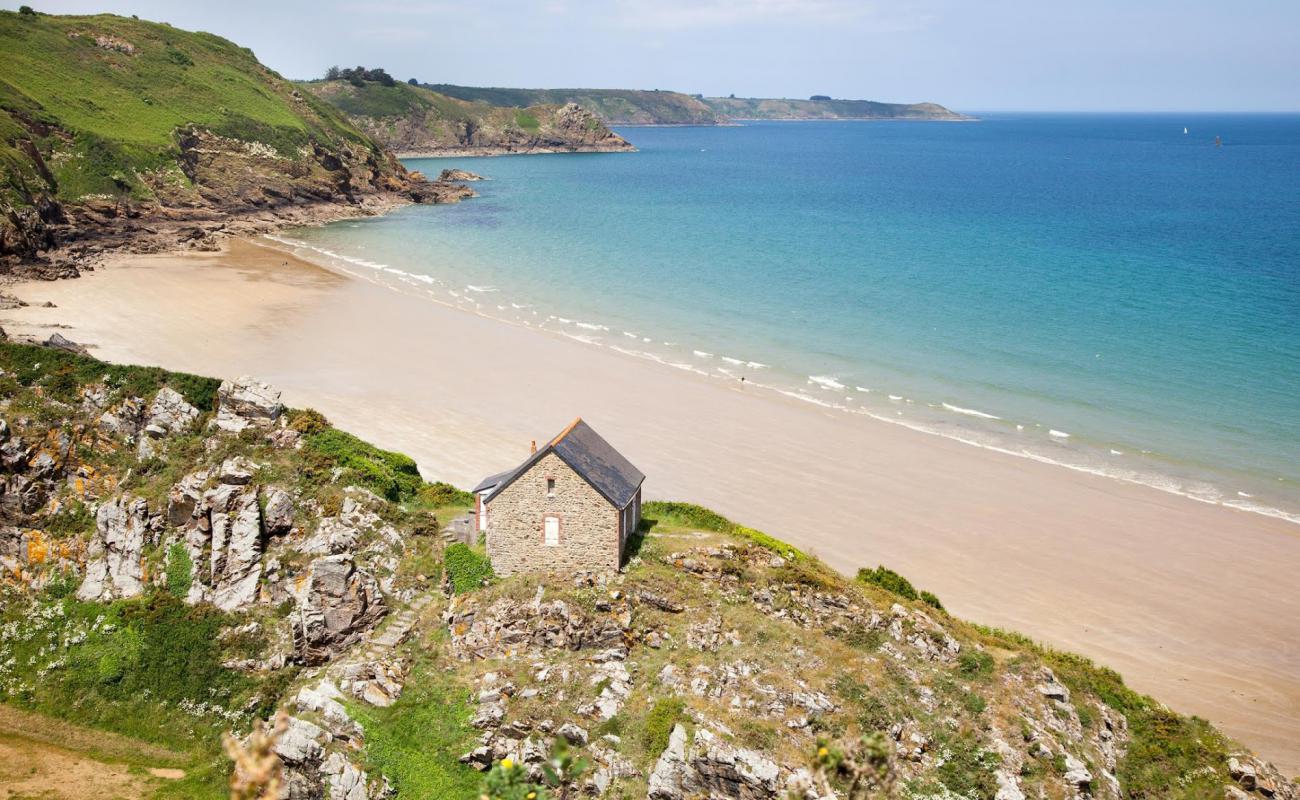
column 614, row 106
column 414, row 119
column 105, row 118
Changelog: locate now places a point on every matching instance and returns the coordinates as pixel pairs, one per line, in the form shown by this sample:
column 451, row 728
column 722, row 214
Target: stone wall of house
column 589, row 529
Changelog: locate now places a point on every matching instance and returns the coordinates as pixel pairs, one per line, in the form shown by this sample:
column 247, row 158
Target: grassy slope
column 122, row 108
column 399, row 100
column 614, row 106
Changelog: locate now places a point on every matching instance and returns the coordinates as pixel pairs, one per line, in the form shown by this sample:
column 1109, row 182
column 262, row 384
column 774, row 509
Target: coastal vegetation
column 657, row 107
column 409, row 118
column 119, row 132
column 707, row 613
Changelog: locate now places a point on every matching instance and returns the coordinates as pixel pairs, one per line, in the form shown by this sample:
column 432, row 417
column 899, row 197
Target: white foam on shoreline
column 1203, row 492
column 970, row 412
column 825, row 382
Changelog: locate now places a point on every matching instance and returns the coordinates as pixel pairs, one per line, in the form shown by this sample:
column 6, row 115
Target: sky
column 1012, row 55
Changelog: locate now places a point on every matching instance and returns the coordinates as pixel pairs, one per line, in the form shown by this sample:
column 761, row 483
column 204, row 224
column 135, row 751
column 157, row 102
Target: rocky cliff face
column 219, row 186
column 120, row 133
column 719, row 663
column 413, row 120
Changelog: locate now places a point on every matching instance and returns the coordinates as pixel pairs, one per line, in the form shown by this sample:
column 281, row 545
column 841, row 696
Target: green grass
column 416, row 741
column 466, row 568
column 123, row 108
column 527, row 121
column 148, row 668
column 393, row 476
column 62, row 375
column 668, row 515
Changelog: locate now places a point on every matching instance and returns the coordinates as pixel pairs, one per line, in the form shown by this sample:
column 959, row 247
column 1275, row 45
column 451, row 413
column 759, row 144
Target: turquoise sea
column 1102, row 291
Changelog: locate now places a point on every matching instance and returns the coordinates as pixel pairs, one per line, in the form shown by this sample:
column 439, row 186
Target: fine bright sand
column 1193, row 603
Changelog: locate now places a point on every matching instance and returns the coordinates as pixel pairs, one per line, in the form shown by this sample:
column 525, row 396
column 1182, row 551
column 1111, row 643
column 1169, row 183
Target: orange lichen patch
column 37, row 550
column 299, row 582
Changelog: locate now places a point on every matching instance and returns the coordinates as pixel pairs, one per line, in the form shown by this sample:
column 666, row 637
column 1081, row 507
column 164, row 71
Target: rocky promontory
column 413, row 121
column 119, row 147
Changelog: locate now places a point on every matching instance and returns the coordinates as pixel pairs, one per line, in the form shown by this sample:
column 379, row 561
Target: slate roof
column 593, row 458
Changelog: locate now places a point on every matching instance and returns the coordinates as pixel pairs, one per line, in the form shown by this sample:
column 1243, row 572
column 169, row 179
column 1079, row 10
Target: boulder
column 237, row 471
column 278, row 514
column 115, row 567
column 169, row 413
column 458, row 175
column 337, row 605
column 573, row 734
column 57, row 341
column 245, row 403
column 343, row 780
column 302, row 742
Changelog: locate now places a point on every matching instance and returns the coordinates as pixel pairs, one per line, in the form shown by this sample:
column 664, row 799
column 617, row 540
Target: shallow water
column 1100, row 291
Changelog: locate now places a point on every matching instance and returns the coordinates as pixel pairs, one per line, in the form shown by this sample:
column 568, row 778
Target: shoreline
column 1033, row 439
column 1143, row 581
column 491, row 152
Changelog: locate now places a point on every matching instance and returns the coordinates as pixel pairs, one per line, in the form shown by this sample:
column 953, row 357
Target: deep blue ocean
column 1103, row 291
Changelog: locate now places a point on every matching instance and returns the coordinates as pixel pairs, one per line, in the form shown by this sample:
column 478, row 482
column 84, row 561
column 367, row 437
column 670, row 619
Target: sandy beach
column 1194, row 603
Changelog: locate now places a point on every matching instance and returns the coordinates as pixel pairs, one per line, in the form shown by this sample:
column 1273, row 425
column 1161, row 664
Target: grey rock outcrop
column 337, row 605
column 115, row 566
column 169, row 413
column 245, row 403
column 712, row 768
column 223, row 535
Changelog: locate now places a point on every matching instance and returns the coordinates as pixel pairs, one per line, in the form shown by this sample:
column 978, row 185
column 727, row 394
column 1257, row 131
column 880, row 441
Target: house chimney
column 532, row 447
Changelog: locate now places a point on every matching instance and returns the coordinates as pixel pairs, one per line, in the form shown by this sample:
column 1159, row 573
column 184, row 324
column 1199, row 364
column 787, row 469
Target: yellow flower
column 507, row 763
column 532, row 796
column 822, row 752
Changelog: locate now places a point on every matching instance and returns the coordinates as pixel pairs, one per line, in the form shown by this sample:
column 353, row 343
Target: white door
column 552, row 532
column 482, row 513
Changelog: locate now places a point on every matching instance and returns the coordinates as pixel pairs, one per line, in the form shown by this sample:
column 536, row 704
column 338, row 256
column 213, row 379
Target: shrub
column 931, row 600
column 888, row 580
column 392, row 475
column 180, row 570
column 73, row 518
column 467, row 569
column 308, row 421
column 659, row 724
column 969, row 769
column 27, row 10
column 444, row 494
column 974, row 663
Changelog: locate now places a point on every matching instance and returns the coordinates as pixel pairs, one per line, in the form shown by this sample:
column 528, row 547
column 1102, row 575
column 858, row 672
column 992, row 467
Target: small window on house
column 551, row 531
column 550, row 487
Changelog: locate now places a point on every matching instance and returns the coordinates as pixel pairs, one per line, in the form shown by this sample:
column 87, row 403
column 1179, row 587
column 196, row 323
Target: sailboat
column 1218, row 141
column 1184, row 131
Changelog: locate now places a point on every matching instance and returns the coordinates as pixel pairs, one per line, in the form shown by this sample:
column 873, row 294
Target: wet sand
column 1194, row 603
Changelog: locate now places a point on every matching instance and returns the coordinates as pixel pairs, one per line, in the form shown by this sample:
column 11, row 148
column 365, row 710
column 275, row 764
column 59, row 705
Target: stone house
column 569, row 507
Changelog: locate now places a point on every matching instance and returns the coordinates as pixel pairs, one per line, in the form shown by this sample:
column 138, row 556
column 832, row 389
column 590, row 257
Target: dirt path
column 50, row 759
